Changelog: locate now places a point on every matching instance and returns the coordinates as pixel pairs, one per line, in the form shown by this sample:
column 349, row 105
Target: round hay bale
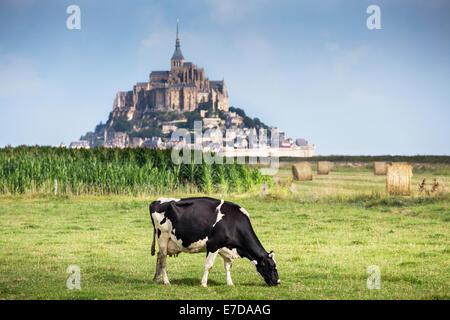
column 379, row 168
column 398, row 179
column 323, row 167
column 302, row 171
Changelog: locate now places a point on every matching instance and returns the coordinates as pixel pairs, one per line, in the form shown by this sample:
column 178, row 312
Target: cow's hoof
column 156, row 280
column 204, row 285
column 230, row 284
column 167, row 283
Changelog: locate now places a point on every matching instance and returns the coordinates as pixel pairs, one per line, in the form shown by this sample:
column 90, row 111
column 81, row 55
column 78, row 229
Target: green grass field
column 325, row 234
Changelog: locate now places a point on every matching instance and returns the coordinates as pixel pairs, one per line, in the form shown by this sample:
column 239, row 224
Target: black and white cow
column 205, row 224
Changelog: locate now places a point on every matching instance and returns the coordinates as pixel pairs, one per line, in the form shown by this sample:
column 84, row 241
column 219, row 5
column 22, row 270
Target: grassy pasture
column 325, row 234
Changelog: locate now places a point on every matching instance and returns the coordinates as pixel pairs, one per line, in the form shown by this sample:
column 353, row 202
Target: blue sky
column 311, row 68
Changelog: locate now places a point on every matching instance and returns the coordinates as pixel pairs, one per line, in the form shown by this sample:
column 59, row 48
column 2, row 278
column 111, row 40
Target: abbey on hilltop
column 180, row 89
column 148, row 115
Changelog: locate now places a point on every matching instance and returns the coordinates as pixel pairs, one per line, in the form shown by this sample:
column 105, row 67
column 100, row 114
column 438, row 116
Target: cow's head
column 267, row 268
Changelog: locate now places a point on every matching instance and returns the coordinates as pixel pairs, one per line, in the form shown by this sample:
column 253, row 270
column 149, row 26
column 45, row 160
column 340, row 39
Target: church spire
column 177, row 42
column 177, row 55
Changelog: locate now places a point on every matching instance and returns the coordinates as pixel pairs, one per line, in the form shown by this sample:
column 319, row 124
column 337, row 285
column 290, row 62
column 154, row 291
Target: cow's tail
column 154, row 233
column 153, row 242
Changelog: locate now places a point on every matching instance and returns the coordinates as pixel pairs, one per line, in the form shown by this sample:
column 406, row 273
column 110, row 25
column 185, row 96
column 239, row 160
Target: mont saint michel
column 147, row 115
column 180, row 89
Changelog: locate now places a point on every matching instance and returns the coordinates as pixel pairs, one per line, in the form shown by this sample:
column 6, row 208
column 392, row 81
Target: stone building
column 116, row 140
column 180, row 89
column 79, row 144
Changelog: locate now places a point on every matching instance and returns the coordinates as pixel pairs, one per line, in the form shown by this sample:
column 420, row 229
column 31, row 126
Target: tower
column 177, row 60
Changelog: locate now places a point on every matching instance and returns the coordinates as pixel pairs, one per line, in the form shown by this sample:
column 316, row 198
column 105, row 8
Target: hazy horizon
column 313, row 69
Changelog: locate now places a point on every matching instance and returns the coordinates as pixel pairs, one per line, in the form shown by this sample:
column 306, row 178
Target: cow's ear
column 271, row 254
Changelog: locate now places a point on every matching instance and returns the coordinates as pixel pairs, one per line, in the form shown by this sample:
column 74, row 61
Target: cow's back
column 191, row 219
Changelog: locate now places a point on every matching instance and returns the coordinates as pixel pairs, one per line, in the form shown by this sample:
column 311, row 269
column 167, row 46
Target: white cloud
column 345, row 61
column 232, row 10
column 156, row 40
column 18, row 77
column 433, row 4
column 331, row 46
column 255, row 48
column 364, row 97
column 19, row 4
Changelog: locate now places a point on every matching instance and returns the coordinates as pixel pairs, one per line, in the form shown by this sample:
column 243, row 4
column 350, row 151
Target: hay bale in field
column 379, row 168
column 398, row 179
column 302, row 171
column 324, row 167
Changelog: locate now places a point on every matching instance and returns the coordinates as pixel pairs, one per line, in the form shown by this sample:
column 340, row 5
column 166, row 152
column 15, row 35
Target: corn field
column 103, row 171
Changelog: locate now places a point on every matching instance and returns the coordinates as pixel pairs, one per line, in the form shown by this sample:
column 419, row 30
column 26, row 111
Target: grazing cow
column 205, row 224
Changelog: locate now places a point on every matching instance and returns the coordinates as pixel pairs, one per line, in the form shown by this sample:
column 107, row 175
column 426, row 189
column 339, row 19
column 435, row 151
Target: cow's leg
column 208, row 266
column 163, row 269
column 163, row 241
column 227, row 264
column 157, row 276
